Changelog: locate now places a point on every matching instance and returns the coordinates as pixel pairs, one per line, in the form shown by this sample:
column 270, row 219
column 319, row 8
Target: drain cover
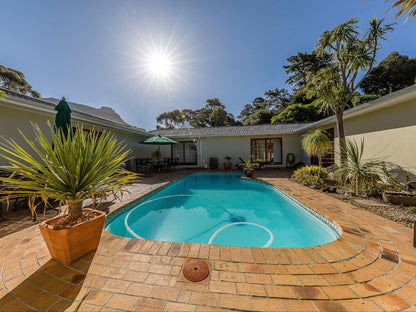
column 195, row 270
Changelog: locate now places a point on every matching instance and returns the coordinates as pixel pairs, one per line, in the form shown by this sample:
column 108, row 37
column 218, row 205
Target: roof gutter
column 395, row 98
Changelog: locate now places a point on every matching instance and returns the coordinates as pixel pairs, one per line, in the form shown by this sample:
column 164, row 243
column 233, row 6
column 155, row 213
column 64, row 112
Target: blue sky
column 93, row 51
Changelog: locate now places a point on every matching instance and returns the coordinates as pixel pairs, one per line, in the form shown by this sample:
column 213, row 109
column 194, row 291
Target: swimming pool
column 222, row 209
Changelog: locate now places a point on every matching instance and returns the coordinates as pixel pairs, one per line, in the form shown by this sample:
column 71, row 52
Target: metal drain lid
column 195, row 270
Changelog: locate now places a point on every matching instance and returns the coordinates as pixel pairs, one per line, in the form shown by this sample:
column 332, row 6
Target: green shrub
column 412, row 209
column 311, row 176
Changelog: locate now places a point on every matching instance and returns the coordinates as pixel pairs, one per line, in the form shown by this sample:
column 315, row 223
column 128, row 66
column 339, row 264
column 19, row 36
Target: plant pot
column 227, row 166
column 68, row 245
column 248, row 172
column 400, row 198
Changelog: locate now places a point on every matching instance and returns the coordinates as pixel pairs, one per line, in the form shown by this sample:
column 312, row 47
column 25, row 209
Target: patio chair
column 166, row 164
column 143, row 166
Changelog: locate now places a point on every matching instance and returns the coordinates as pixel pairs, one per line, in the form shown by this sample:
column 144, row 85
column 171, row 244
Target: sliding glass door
column 185, row 152
column 266, row 151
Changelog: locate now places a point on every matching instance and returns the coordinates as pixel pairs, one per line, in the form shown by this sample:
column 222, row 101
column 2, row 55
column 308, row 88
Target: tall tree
column 171, row 120
column 14, row 80
column 353, row 55
column 393, row 73
column 302, row 64
column 262, row 109
column 405, row 7
column 277, row 99
column 213, row 114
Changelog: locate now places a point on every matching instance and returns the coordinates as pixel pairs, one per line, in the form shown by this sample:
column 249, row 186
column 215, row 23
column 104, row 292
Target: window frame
column 181, row 161
column 266, row 140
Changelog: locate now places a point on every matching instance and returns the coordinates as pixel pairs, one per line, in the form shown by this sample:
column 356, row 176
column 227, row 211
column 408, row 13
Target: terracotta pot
column 400, row 198
column 248, row 172
column 68, row 245
column 227, row 166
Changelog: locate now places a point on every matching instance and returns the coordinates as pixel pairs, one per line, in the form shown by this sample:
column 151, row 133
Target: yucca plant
column 68, row 170
column 359, row 172
column 247, row 164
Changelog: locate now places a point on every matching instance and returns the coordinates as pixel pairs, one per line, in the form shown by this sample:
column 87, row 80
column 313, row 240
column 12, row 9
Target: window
column 266, row 151
column 185, row 152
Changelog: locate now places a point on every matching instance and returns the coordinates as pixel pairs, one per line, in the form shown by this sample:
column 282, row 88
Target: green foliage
column 14, row 80
column 359, row 99
column 247, row 164
column 311, row 176
column 262, row 109
column 412, row 209
column 2, row 95
column 316, row 143
column 213, row 114
column 405, row 7
column 299, row 113
column 66, row 170
column 303, row 64
column 352, row 57
column 360, row 174
column 395, row 72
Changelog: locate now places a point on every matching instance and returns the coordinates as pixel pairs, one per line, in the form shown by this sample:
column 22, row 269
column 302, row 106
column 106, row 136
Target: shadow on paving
column 53, row 287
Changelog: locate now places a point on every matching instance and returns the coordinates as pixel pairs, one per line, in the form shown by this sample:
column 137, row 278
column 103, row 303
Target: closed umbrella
column 63, row 118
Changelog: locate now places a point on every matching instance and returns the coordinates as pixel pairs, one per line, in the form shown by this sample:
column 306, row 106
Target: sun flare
column 159, row 64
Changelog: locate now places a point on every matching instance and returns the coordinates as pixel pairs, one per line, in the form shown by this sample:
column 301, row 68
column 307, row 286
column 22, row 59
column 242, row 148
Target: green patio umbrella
column 63, row 118
column 158, row 140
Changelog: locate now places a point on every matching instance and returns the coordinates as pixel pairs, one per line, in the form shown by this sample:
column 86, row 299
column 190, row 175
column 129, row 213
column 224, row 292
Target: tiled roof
column 104, row 113
column 233, row 130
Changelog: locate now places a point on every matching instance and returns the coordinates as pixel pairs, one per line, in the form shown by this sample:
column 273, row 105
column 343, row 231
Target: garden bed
column 376, row 205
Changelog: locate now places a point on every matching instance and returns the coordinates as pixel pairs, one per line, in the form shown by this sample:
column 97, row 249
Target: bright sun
column 159, row 64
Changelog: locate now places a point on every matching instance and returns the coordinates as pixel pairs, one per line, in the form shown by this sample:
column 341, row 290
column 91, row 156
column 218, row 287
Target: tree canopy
column 303, row 64
column 213, row 114
column 14, row 80
column 393, row 73
column 262, row 109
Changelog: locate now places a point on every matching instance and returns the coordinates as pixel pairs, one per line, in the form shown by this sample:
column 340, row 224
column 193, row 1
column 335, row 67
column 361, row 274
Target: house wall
column 238, row 146
column 14, row 119
column 389, row 134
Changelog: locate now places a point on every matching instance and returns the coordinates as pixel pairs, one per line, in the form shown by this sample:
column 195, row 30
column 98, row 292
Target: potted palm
column 227, row 164
column 69, row 171
column 248, row 167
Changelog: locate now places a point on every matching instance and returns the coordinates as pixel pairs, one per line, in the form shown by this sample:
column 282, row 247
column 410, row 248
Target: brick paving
column 371, row 267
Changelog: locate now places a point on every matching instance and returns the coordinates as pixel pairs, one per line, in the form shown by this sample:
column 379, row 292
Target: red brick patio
column 371, row 267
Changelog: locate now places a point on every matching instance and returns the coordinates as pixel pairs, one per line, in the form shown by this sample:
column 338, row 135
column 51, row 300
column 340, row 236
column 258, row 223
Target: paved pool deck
column 371, row 267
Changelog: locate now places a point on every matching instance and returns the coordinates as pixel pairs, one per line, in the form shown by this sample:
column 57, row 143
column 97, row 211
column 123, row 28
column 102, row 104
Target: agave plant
column 68, row 170
column 247, row 164
column 359, row 172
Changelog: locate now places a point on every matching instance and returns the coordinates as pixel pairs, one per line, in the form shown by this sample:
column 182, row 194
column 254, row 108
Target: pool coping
column 370, row 267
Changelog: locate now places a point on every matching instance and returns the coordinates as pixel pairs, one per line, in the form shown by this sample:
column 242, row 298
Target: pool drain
column 195, row 270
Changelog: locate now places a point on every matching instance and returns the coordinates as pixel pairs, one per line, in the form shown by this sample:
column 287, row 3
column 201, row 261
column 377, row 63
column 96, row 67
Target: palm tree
column 316, row 143
column 352, row 58
column 68, row 170
column 405, row 7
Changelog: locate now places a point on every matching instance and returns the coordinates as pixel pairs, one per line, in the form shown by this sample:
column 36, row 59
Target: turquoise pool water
column 223, row 209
